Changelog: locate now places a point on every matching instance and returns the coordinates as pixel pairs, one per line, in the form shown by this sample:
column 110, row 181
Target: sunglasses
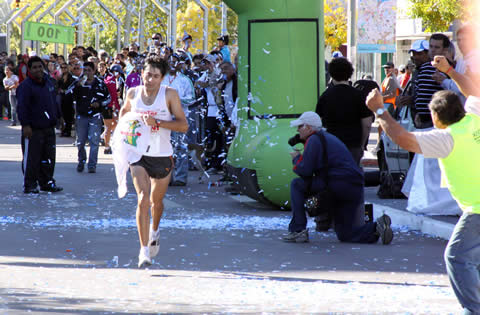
column 155, row 38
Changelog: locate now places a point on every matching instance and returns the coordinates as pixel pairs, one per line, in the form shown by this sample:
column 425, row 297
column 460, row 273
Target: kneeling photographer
column 327, row 170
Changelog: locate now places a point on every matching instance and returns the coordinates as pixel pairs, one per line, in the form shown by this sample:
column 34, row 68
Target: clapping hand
column 441, row 64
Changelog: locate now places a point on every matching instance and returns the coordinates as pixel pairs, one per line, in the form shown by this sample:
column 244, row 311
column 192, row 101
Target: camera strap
column 324, row 169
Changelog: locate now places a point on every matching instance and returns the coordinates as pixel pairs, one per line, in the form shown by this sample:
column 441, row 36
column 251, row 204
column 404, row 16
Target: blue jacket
column 37, row 104
column 341, row 165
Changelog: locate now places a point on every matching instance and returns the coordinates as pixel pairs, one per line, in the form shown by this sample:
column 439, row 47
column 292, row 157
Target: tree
column 438, row 15
column 335, row 23
column 190, row 21
column 155, row 21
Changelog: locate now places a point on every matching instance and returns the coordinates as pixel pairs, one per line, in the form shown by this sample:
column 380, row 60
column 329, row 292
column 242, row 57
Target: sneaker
column 92, row 169
column 51, row 188
column 31, row 191
column 384, row 230
column 107, row 151
column 80, row 167
column 297, row 237
column 144, row 258
column 154, row 242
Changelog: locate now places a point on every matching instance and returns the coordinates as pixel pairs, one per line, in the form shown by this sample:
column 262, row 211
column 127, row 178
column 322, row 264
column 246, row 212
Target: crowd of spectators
column 206, row 84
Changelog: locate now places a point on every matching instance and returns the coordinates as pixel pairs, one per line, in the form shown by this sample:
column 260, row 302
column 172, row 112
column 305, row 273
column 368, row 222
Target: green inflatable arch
column 281, row 75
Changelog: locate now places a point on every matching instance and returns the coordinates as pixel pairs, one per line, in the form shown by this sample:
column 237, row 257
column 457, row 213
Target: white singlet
column 160, row 144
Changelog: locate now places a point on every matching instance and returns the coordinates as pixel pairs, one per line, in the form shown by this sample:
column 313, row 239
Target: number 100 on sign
column 49, row 33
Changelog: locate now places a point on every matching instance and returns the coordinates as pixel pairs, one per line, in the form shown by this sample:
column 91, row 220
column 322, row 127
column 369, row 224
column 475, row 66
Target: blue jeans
column 462, row 258
column 91, row 128
column 13, row 107
column 180, row 152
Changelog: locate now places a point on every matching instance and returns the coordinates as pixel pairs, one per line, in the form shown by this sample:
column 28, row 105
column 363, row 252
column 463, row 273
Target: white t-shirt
column 228, row 98
column 160, row 144
column 11, row 81
column 438, row 143
column 212, row 105
column 184, row 87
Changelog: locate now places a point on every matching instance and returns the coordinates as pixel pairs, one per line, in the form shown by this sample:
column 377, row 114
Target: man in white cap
column 327, row 163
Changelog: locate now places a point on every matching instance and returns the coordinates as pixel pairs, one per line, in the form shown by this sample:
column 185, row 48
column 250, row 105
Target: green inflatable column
column 281, row 75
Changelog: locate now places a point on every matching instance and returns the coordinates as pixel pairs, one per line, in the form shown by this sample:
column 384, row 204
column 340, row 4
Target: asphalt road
column 75, row 252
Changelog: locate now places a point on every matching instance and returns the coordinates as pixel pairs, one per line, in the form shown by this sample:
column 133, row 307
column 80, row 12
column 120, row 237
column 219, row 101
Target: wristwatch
column 380, row 111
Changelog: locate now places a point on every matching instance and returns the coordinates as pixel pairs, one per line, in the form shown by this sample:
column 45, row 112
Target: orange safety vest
column 390, row 100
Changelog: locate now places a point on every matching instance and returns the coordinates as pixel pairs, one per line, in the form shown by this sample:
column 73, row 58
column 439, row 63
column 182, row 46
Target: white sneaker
column 144, row 258
column 154, row 242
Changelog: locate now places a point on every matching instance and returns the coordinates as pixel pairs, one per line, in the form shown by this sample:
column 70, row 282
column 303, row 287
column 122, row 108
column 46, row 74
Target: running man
column 162, row 111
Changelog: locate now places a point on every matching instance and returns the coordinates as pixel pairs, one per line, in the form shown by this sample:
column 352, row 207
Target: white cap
column 337, row 54
column 307, row 118
column 46, row 57
column 419, row 46
column 32, row 53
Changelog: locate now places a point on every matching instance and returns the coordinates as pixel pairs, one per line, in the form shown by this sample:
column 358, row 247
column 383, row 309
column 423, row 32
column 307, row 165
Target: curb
column 417, row 222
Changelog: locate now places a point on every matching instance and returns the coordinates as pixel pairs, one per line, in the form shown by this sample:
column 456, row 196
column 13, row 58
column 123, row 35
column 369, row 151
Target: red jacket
column 111, row 84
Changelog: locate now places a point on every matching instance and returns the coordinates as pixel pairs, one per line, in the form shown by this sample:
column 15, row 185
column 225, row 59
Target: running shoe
column 297, row 237
column 144, row 258
column 384, row 230
column 154, row 242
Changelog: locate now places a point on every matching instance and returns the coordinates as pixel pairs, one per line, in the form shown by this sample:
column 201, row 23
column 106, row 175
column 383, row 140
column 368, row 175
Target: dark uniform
column 345, row 182
column 38, row 108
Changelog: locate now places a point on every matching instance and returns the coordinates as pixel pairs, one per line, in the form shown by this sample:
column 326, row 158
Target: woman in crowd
column 110, row 115
column 66, row 99
column 10, row 82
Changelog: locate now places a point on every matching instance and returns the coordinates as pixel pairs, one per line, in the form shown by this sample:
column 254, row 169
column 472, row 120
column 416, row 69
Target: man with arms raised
column 162, row 111
column 455, row 142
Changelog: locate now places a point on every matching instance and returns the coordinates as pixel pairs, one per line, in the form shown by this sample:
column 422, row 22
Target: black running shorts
column 156, row 166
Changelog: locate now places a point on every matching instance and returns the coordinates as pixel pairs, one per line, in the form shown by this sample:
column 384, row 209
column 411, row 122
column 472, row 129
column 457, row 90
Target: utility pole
column 173, row 24
column 351, row 38
column 141, row 36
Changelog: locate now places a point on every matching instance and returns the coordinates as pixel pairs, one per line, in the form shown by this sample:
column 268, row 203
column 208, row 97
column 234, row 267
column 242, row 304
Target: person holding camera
column 327, row 164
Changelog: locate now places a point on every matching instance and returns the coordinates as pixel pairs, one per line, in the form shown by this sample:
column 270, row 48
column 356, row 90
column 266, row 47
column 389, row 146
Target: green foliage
column 438, row 15
column 335, row 23
column 155, row 21
column 191, row 21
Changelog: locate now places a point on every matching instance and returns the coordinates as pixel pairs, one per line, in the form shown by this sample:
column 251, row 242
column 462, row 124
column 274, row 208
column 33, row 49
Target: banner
column 376, row 26
column 49, row 33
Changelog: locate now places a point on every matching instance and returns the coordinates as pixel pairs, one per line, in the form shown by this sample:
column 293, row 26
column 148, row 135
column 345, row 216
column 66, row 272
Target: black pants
column 215, row 144
column 357, row 154
column 67, row 113
column 39, row 158
column 5, row 103
column 348, row 214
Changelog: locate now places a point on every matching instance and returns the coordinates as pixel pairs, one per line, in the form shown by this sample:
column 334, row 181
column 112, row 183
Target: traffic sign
column 49, row 33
